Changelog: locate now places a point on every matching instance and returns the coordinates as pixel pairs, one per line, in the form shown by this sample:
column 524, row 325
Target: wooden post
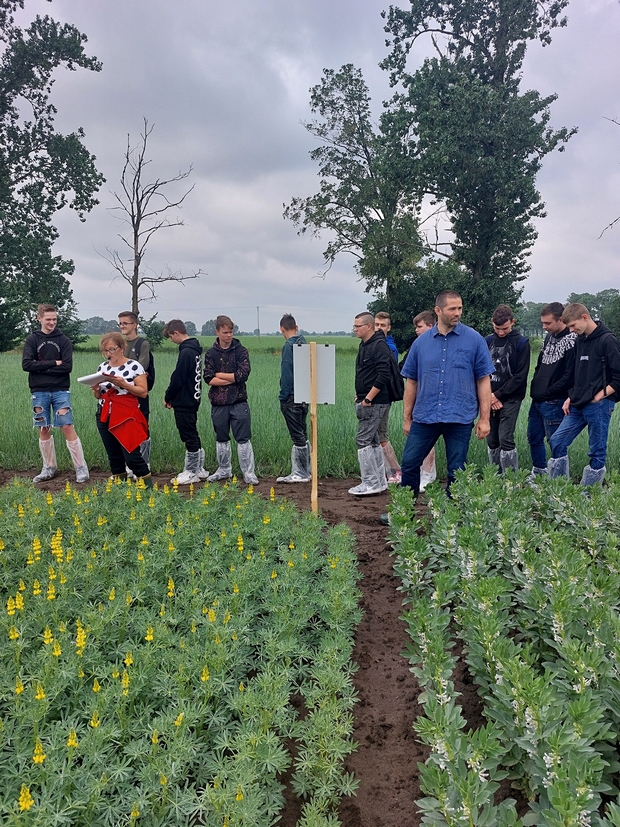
column 314, row 497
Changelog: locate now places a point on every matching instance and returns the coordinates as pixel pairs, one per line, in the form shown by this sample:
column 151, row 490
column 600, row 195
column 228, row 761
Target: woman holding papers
column 120, row 422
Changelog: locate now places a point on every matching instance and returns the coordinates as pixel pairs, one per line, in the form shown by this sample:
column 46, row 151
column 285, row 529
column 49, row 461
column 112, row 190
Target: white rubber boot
column 380, row 467
column 79, row 463
column 592, row 476
column 48, row 452
column 494, row 456
column 392, row 465
column 558, row 467
column 371, row 482
column 203, row 474
column 300, row 462
column 428, row 471
column 509, row 459
column 245, row 452
column 189, row 474
column 224, row 462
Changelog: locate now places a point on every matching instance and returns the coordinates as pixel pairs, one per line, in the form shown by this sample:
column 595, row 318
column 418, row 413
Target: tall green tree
column 479, row 139
column 367, row 174
column 41, row 170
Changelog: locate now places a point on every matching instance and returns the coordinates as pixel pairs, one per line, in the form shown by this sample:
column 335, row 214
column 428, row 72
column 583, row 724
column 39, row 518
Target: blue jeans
column 543, row 421
column 596, row 416
column 422, row 438
column 44, row 402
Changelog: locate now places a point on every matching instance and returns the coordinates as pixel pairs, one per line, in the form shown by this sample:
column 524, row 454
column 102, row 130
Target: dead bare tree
column 144, row 207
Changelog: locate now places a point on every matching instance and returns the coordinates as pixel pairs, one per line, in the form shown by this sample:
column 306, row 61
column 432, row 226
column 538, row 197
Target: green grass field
column 336, row 423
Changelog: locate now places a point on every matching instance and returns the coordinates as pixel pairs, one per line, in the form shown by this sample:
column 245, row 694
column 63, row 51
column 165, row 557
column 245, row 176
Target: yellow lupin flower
column 48, row 637
column 132, row 514
column 241, row 687
column 22, row 586
column 36, row 588
column 19, row 686
column 235, row 588
column 25, row 799
column 291, row 564
column 272, row 494
column 227, row 616
column 152, row 501
column 13, row 633
column 205, row 675
column 170, row 587
column 10, row 606
column 39, row 756
column 155, row 737
column 1, row 545
column 239, row 795
column 72, row 740
column 48, row 498
column 80, row 671
column 40, row 693
column 193, row 628
column 30, row 559
column 163, row 780
column 218, row 639
column 232, row 567
column 179, row 719
column 94, row 721
column 56, row 651
column 135, row 812
column 125, row 682
column 51, row 573
column 233, row 636
column 162, row 610
column 128, row 599
column 69, row 556
column 274, row 574
column 149, row 633
column 171, row 548
column 211, row 616
column 140, row 557
column 112, row 594
column 128, row 659
column 266, row 519
column 115, row 673
column 51, row 592
column 96, row 686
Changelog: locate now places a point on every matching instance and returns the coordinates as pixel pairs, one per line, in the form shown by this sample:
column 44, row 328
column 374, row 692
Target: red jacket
column 125, row 419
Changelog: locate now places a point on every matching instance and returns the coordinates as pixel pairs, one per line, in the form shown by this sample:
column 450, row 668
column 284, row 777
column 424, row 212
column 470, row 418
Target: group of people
column 457, row 381
column 121, row 387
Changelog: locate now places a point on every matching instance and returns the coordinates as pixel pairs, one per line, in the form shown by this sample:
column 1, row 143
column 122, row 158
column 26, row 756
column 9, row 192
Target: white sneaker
column 293, row 478
column 364, row 489
column 186, row 478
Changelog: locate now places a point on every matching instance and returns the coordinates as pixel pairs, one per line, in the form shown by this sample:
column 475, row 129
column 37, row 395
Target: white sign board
column 325, row 374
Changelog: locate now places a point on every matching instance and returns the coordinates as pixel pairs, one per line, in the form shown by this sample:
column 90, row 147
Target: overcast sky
column 225, row 85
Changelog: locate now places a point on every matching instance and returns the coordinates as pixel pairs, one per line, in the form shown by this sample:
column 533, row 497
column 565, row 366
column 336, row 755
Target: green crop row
column 158, row 653
column 528, row 579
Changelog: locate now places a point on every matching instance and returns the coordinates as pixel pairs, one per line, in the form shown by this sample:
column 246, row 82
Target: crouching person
column 183, row 395
column 590, row 403
column 120, row 422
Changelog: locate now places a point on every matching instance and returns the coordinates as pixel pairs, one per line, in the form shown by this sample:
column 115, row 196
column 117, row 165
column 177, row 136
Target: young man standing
column 183, row 395
column 227, row 367
column 48, row 359
column 591, row 399
column 295, row 414
column 447, row 372
column 428, row 471
column 138, row 348
column 392, row 466
column 510, row 353
column 372, row 378
column 551, row 383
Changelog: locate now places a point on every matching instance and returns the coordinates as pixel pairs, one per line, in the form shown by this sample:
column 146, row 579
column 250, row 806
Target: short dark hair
column 45, row 308
column 367, row 316
column 554, row 309
column 174, row 326
column 502, row 314
column 129, row 314
column 288, row 322
column 224, row 321
column 574, row 311
column 442, row 298
column 426, row 316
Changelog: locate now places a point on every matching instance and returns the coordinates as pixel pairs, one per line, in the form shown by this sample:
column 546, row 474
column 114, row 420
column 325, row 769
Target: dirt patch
column 386, row 760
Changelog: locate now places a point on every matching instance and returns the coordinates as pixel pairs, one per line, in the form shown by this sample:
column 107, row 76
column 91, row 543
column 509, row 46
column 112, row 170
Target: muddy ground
column 388, row 753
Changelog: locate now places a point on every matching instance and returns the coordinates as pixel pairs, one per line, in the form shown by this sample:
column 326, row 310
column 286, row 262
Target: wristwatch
column 368, row 401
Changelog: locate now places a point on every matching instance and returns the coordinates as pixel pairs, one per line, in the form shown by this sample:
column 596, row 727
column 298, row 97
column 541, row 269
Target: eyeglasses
column 109, row 350
column 126, row 324
column 357, row 326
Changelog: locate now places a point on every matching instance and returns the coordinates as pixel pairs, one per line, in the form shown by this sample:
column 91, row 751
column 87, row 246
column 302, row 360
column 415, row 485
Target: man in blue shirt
column 448, row 382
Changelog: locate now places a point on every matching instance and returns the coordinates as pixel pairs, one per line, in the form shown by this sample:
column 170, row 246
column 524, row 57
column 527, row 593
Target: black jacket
column 511, row 360
column 553, row 375
column 597, row 364
column 234, row 359
column 287, row 377
column 41, row 352
column 185, row 388
column 373, row 368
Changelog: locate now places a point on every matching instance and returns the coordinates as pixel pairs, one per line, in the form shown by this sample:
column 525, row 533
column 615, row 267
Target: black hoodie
column 185, row 388
column 41, row 352
column 597, row 364
column 511, row 360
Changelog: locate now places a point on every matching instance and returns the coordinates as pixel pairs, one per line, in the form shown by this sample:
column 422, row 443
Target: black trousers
column 187, row 425
column 118, row 456
column 235, row 418
column 295, row 415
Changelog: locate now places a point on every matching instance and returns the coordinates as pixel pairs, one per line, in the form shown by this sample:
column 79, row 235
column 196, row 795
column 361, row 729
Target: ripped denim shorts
column 43, row 402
